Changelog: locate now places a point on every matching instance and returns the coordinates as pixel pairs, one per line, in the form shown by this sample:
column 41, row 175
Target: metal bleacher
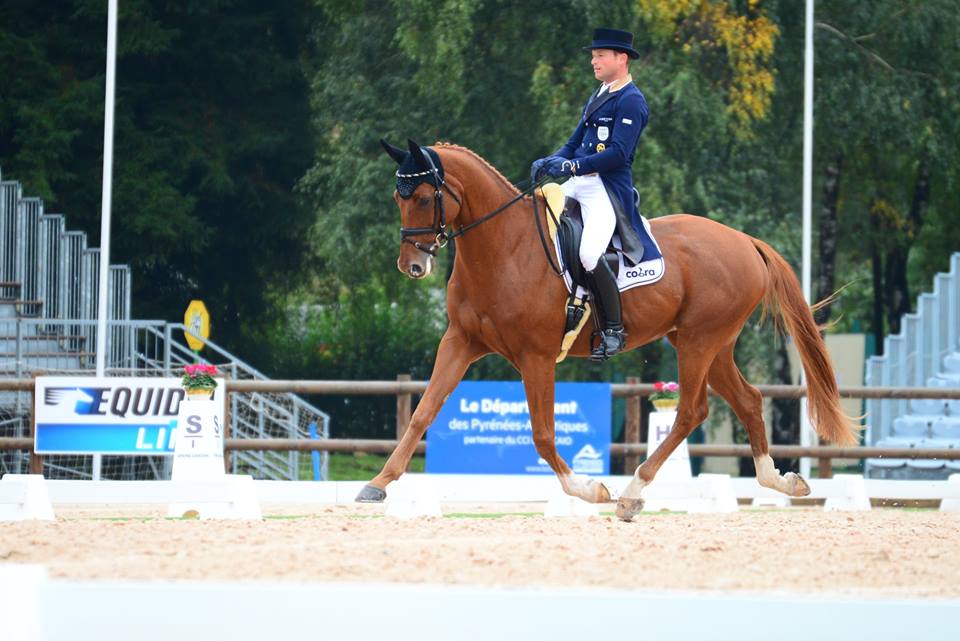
column 48, row 309
column 926, row 353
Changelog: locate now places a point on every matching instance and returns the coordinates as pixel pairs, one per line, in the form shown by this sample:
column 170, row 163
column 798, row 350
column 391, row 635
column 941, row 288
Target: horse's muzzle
column 418, row 267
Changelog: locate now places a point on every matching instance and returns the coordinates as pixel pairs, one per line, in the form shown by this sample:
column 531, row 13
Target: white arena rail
column 840, row 492
column 36, row 608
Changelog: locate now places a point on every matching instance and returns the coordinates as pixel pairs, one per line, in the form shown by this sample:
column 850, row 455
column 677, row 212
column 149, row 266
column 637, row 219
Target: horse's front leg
column 454, row 355
column 538, row 382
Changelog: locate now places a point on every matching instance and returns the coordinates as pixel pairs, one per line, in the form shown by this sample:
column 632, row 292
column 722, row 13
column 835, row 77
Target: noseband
column 439, row 227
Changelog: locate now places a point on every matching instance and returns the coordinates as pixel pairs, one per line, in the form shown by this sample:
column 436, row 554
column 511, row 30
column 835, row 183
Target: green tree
column 885, row 130
column 212, row 132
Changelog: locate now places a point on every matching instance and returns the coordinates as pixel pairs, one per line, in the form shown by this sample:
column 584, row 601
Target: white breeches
column 599, row 219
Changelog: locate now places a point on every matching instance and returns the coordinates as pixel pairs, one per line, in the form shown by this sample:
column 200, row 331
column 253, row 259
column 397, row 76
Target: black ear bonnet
column 412, row 172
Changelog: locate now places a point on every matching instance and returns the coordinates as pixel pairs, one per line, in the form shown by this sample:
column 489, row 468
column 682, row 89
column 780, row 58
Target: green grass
column 488, row 515
column 363, row 467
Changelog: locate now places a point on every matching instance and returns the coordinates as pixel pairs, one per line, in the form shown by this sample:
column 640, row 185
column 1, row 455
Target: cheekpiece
column 410, row 174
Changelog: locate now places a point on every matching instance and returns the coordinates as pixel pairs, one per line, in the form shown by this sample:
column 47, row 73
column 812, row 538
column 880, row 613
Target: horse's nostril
column 416, row 270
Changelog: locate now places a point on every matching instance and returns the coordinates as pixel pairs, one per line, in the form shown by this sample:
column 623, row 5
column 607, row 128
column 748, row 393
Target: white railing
column 49, row 280
column 916, row 357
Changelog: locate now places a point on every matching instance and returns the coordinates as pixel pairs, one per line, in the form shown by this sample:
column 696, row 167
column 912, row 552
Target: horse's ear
column 418, row 156
column 394, row 152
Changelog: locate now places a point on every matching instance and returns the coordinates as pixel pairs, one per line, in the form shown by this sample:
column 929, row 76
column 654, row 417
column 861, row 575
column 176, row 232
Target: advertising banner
column 121, row 415
column 484, row 428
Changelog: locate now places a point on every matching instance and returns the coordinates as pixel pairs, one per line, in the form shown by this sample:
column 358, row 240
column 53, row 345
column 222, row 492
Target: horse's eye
column 423, row 201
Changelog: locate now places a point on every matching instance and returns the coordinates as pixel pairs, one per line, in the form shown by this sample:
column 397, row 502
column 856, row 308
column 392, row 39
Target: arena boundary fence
column 632, row 391
column 240, row 497
column 38, row 607
column 490, row 488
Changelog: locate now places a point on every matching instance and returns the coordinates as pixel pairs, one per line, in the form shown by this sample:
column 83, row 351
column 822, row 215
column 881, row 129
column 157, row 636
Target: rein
column 442, row 237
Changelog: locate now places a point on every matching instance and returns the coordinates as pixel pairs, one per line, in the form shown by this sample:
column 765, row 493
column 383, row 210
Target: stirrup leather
column 578, row 311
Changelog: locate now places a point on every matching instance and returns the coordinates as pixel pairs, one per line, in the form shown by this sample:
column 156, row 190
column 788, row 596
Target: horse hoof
column 601, row 494
column 796, row 485
column 628, row 508
column 371, row 494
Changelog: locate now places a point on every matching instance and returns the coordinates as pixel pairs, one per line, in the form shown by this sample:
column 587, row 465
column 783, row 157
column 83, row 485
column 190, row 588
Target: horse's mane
column 493, row 170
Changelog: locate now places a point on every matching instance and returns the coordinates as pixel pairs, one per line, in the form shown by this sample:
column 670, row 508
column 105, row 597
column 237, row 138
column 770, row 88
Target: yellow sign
column 197, row 320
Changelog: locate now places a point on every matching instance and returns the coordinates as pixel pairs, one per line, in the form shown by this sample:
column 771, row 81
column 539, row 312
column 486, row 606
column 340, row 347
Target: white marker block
column 852, row 496
column 718, row 493
column 951, row 504
column 198, row 458
column 232, row 496
column 562, row 505
column 677, row 465
column 24, row 497
column 244, row 499
column 412, row 496
column 708, row 493
column 198, row 449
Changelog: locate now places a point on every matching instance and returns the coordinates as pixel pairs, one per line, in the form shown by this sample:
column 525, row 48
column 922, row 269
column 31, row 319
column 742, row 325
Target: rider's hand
column 539, row 167
column 536, row 167
column 557, row 167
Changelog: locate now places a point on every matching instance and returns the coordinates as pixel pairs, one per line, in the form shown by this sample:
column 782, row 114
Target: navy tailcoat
column 604, row 143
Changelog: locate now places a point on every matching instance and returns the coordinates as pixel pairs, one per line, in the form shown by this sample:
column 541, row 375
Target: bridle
column 439, row 228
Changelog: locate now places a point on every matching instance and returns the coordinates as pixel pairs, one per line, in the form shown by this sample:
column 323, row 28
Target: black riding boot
column 612, row 338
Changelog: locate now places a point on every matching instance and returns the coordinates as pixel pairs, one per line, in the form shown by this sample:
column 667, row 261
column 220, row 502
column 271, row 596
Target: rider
column 598, row 159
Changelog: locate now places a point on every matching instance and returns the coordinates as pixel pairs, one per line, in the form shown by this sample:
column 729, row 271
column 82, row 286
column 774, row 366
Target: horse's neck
column 505, row 246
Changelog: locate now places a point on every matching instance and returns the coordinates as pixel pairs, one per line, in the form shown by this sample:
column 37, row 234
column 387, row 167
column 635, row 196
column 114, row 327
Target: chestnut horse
column 503, row 297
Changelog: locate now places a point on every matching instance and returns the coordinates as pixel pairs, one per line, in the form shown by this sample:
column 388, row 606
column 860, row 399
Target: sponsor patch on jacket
column 627, row 121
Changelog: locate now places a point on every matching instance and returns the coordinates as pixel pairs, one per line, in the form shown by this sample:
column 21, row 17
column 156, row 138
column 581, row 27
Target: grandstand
column 926, row 353
column 48, row 316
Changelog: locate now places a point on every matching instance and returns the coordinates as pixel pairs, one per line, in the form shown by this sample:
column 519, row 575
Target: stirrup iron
column 611, row 342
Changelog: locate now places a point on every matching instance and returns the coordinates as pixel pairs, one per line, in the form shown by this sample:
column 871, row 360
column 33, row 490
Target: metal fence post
column 36, row 462
column 403, row 407
column 227, row 432
column 293, row 460
column 19, row 347
column 631, row 426
column 166, row 348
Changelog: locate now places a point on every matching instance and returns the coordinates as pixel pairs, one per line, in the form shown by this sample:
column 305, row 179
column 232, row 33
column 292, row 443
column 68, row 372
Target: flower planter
column 199, row 382
column 666, row 404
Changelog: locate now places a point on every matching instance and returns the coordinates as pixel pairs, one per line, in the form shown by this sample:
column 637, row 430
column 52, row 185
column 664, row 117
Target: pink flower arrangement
column 200, row 368
column 199, row 377
column 665, row 390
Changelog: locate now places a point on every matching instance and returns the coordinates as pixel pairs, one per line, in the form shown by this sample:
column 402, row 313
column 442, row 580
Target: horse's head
column 425, row 211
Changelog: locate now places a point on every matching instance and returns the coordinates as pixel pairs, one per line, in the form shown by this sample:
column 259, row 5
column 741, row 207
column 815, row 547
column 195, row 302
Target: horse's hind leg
column 693, row 357
column 538, row 383
column 454, row 355
column 747, row 403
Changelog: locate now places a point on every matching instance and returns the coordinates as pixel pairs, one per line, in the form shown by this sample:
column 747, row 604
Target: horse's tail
column 784, row 293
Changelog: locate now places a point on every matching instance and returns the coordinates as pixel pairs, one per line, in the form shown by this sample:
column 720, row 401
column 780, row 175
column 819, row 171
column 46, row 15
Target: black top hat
column 613, row 39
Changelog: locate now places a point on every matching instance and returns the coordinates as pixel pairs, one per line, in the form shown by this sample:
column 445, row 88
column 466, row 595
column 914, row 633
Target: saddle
column 567, row 231
column 570, row 233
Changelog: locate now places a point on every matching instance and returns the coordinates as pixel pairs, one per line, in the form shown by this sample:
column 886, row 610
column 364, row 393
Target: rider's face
column 608, row 64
